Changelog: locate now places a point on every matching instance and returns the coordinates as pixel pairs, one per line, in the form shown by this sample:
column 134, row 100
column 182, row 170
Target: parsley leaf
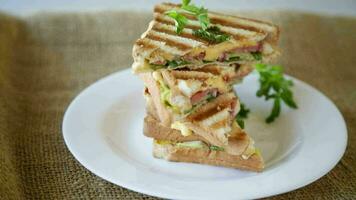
column 206, row 32
column 273, row 85
column 185, row 2
column 192, row 9
column 204, row 20
column 257, row 55
column 201, row 14
column 233, row 58
column 211, row 34
column 243, row 114
column 216, row 148
column 172, row 64
column 210, row 97
column 179, row 19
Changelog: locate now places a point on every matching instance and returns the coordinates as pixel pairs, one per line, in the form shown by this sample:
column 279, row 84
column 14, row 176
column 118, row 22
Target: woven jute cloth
column 48, row 58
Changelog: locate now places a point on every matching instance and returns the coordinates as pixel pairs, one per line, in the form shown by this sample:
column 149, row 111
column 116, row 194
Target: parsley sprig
column 212, row 34
column 274, row 86
column 216, row 148
column 173, row 64
column 242, row 115
column 179, row 20
column 206, row 32
column 200, row 12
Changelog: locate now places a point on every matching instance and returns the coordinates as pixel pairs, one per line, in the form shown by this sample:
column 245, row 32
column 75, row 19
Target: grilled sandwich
column 177, row 93
column 213, row 122
column 191, row 106
column 199, row 152
column 160, row 46
column 169, row 144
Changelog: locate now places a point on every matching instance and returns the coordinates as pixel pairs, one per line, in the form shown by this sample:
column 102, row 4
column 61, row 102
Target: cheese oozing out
column 185, row 131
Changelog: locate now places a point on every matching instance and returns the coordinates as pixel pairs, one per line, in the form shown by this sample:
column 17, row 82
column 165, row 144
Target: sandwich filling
column 224, row 54
column 249, row 151
column 183, row 95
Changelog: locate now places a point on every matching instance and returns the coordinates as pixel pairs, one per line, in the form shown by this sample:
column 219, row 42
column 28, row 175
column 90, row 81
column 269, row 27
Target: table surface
column 47, row 59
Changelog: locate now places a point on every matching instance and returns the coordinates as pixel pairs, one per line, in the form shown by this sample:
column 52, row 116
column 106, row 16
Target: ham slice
column 202, row 95
column 253, row 48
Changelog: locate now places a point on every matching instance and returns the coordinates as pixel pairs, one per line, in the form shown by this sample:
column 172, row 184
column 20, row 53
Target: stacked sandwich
column 191, row 106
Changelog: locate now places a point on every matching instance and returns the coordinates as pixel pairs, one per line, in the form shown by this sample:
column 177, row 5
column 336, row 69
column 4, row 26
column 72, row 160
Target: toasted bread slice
column 165, row 115
column 176, row 93
column 205, row 155
column 153, row 129
column 212, row 123
column 160, row 43
column 231, row 74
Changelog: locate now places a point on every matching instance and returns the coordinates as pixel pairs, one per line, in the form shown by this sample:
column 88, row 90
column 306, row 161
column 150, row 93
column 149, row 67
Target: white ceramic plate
column 103, row 129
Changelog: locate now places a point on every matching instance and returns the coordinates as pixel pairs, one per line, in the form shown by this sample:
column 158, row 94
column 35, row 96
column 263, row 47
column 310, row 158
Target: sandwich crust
column 238, row 142
column 153, row 129
column 206, row 156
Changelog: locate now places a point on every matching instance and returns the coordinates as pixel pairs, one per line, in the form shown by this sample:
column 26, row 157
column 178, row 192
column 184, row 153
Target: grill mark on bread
column 213, row 69
column 218, row 104
column 223, row 22
column 215, row 18
column 168, row 6
column 169, row 42
column 156, row 45
column 183, row 34
column 208, row 113
column 161, row 37
column 231, row 21
column 162, row 11
column 161, row 19
column 145, row 44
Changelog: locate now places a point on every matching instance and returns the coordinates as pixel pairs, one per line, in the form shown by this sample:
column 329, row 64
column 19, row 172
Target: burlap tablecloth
column 47, row 59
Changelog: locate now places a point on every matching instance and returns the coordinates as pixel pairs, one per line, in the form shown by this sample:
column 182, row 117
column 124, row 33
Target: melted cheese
column 212, row 53
column 141, row 67
column 217, row 82
column 250, row 150
column 185, row 131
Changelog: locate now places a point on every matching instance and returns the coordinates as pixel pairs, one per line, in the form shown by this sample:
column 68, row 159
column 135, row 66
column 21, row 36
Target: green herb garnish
column 200, row 13
column 273, row 85
column 211, row 34
column 233, row 58
column 185, row 2
column 180, row 20
column 210, row 97
column 216, row 148
column 243, row 114
column 206, row 32
column 257, row 55
column 172, row 64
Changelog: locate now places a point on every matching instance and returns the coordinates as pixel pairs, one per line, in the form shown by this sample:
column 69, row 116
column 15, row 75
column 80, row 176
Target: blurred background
column 335, row 7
